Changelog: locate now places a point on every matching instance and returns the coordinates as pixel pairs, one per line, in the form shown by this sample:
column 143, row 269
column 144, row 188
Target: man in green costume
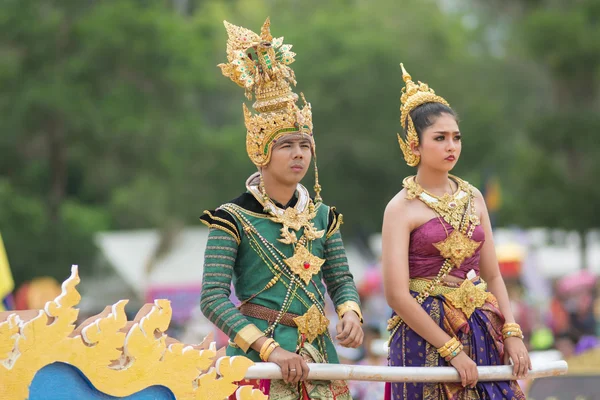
column 281, row 249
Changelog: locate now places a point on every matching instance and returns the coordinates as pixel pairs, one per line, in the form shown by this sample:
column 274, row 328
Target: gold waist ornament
column 419, row 284
column 312, row 323
column 467, row 297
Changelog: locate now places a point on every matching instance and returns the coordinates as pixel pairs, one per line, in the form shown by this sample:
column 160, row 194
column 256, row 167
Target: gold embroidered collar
column 300, row 207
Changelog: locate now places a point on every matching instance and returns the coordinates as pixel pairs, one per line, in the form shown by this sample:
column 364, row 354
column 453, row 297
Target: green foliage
column 555, row 178
column 115, row 115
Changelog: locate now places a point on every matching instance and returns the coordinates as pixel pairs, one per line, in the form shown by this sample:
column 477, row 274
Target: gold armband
column 349, row 306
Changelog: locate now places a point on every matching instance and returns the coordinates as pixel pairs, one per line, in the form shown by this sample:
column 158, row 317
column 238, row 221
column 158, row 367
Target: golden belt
column 311, row 324
column 468, row 296
column 419, row 284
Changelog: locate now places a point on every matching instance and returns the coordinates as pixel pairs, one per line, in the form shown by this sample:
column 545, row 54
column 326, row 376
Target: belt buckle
column 467, row 297
column 312, row 323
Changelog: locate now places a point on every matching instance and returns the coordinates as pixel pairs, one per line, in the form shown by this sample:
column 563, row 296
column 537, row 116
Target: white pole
column 405, row 374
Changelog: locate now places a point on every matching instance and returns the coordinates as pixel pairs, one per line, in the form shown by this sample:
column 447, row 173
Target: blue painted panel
column 61, row 381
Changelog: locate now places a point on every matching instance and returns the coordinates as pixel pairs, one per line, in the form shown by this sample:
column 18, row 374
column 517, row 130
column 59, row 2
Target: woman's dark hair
column 426, row 114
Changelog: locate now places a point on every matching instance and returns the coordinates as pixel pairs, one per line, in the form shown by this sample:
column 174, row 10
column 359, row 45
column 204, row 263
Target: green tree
column 555, row 176
column 115, row 115
column 98, row 101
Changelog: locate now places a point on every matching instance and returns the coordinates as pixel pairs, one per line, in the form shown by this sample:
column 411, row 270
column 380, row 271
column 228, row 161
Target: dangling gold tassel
column 264, row 193
column 318, row 198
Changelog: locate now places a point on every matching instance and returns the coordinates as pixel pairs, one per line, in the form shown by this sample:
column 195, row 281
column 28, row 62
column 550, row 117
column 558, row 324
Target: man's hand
column 350, row 333
column 293, row 367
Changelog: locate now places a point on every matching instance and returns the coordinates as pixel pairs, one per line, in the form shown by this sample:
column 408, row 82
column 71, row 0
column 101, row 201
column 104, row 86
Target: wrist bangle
column 269, row 350
column 349, row 306
column 512, row 330
column 453, row 349
column 450, row 348
column 265, row 346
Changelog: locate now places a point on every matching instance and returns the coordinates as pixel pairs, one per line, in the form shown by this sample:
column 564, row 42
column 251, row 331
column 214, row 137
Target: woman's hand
column 467, row 369
column 515, row 350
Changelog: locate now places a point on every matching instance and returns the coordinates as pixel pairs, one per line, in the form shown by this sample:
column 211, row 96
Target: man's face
column 290, row 159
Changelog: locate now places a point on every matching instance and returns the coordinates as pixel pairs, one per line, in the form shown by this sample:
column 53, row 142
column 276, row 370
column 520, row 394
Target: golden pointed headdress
column 413, row 95
column 259, row 63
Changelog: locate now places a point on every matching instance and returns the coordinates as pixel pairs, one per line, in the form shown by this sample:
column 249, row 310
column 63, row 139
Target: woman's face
column 440, row 144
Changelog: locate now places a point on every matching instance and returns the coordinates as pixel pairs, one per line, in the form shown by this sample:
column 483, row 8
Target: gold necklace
column 302, row 263
column 458, row 210
column 292, row 218
column 450, row 207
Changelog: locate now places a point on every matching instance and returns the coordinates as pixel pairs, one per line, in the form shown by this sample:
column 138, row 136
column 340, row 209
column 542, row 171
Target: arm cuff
column 246, row 336
column 349, row 306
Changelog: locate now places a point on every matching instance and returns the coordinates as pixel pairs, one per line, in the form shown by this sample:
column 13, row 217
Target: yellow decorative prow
column 119, row 358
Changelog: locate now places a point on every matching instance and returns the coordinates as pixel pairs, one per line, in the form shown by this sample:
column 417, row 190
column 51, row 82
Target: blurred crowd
column 566, row 324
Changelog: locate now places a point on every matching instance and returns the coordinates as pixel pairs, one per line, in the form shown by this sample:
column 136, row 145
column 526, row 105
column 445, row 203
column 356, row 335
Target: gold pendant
column 457, row 247
column 292, row 219
column 288, row 237
column 312, row 323
column 467, row 297
column 311, row 233
column 304, row 264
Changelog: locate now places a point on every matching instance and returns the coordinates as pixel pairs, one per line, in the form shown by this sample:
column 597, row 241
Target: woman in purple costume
column 440, row 270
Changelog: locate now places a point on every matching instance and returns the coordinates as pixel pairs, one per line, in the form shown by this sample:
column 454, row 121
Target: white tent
column 130, row 252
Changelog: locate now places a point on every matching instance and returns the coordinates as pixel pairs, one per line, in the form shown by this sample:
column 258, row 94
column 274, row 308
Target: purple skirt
column 481, row 336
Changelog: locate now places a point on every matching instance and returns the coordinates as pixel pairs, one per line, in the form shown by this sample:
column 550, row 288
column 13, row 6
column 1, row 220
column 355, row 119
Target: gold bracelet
column 265, row 355
column 512, row 330
column 265, row 346
column 454, row 353
column 448, row 347
column 513, row 333
column 269, row 350
column 446, row 352
column 448, row 344
column 349, row 306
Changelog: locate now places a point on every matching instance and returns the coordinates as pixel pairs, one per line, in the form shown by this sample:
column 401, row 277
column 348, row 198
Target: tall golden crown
column 259, row 64
column 413, row 95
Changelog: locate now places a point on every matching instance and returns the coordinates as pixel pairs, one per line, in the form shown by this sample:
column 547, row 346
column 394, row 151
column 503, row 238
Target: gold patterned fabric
column 321, row 390
column 481, row 337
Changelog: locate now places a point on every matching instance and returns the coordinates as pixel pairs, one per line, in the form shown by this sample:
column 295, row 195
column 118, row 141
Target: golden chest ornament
column 457, row 247
column 458, row 211
column 295, row 220
column 303, row 263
